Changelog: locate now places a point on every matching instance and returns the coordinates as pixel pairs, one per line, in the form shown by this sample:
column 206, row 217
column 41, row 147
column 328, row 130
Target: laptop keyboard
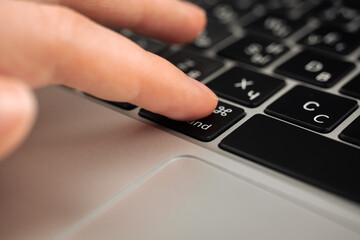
column 205, row 129
column 313, row 109
column 253, row 49
column 195, row 65
column 302, row 154
column 245, row 87
column 314, row 68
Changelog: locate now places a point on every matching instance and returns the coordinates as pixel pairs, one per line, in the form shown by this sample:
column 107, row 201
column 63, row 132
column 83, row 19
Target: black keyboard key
column 195, row 65
column 294, row 9
column 310, row 157
column 123, row 105
column 206, row 129
column 352, row 88
column 225, row 11
column 332, row 39
column 275, row 26
column 317, row 110
column 254, row 50
column 316, row 69
column 206, row 4
column 230, row 10
column 345, row 15
column 352, row 132
column 245, row 87
column 213, row 34
column 149, row 44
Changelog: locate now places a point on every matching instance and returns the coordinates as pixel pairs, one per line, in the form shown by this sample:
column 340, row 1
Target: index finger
column 57, row 45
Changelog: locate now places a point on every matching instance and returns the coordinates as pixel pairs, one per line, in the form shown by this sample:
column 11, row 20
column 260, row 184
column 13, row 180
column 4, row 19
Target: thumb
column 17, row 114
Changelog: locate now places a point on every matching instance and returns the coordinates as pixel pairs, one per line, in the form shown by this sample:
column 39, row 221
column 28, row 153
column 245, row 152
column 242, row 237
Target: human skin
column 63, row 42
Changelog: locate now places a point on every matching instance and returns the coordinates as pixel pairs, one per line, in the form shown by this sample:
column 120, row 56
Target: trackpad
column 189, row 199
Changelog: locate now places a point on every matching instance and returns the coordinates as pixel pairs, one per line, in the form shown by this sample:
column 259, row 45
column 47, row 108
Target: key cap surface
column 254, row 50
column 214, row 33
column 275, row 26
column 316, row 69
column 227, row 11
column 352, row 88
column 122, row 105
column 294, row 9
column 331, row 39
column 206, row 129
column 342, row 14
column 317, row 110
column 315, row 159
column 194, row 65
column 245, row 87
column 352, row 132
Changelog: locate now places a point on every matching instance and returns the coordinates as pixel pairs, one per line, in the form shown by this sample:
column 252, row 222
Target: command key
column 205, row 129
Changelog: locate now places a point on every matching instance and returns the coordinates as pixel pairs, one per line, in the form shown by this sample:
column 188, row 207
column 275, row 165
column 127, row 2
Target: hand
column 46, row 42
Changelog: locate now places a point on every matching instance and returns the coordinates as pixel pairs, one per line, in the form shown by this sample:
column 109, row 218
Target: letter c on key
column 307, row 106
column 316, row 118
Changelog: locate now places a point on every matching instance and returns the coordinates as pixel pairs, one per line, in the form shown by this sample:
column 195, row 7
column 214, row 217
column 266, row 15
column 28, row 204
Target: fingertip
column 207, row 100
column 164, row 89
column 17, row 110
column 200, row 103
column 172, row 21
column 198, row 20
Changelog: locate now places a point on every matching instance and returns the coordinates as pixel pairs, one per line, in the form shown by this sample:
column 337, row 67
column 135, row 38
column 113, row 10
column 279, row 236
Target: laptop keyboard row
column 315, row 38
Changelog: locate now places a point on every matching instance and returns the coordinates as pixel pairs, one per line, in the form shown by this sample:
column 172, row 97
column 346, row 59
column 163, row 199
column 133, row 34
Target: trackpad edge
column 188, row 198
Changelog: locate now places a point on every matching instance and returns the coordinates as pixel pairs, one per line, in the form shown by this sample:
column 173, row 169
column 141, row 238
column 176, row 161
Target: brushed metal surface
column 189, row 199
column 81, row 156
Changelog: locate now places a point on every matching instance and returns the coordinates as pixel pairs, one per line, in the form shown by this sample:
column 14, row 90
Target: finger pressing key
column 48, row 44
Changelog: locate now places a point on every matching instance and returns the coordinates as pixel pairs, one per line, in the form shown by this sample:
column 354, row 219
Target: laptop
column 279, row 158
